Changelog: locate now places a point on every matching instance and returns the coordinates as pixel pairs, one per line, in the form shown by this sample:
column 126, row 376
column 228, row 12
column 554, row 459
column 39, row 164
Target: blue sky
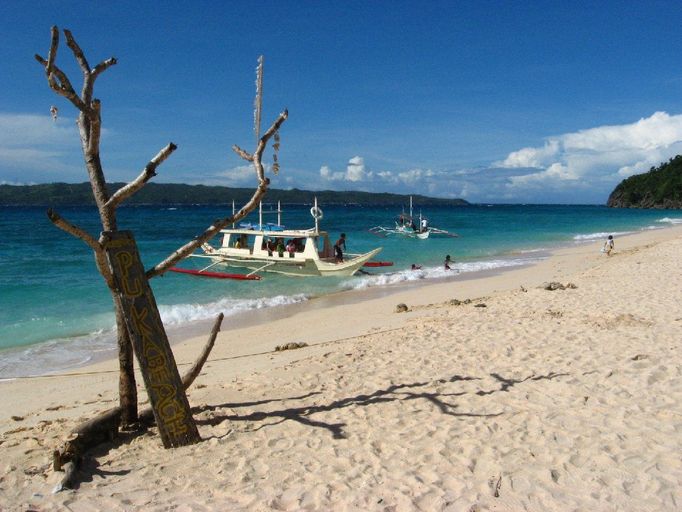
column 492, row 101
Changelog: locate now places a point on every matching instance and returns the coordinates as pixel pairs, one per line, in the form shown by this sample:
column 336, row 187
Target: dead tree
column 117, row 259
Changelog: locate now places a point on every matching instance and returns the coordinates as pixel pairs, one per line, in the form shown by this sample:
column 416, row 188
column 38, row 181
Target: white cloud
column 355, row 172
column 240, row 176
column 36, row 148
column 595, row 158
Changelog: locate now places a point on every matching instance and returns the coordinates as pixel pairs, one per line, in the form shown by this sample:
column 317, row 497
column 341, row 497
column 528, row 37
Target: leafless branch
column 147, row 173
column 242, row 153
column 77, row 52
column 219, row 224
column 193, row 372
column 210, row 232
column 88, row 239
column 54, row 44
column 103, row 66
column 56, row 78
column 74, row 230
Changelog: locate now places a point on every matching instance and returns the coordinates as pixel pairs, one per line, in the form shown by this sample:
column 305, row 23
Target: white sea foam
column 439, row 272
column 671, row 220
column 596, row 236
column 62, row 354
column 183, row 313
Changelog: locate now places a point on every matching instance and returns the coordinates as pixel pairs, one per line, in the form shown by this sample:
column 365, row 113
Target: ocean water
column 56, row 313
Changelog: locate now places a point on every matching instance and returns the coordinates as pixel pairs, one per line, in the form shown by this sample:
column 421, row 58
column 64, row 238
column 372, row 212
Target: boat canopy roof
column 284, row 233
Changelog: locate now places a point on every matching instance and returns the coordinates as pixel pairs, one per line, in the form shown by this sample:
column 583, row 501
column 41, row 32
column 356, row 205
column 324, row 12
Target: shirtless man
column 338, row 252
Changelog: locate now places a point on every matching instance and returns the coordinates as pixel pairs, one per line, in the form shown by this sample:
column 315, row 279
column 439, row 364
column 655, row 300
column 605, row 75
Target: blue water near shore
column 56, row 313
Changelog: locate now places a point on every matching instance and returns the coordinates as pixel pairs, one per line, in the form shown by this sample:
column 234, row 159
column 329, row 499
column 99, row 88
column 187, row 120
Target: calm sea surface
column 56, row 313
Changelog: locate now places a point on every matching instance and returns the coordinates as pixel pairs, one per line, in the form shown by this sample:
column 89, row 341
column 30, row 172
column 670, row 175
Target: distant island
column 661, row 187
column 80, row 194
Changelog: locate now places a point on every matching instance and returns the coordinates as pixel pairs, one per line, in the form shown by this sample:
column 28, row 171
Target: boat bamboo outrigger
column 274, row 248
column 410, row 227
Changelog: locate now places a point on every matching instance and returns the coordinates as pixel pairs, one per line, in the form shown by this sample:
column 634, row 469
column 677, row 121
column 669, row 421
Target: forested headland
column 80, row 194
column 661, row 187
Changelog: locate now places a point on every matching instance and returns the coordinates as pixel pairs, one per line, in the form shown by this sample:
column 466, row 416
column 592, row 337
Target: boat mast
column 410, row 208
column 317, row 224
column 260, row 215
column 233, row 213
column 279, row 214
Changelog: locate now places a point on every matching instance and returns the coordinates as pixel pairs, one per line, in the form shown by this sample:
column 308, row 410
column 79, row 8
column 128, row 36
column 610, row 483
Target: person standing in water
column 447, row 263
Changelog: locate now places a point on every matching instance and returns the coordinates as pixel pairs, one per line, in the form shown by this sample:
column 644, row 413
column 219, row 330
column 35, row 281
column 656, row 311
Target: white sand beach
column 490, row 393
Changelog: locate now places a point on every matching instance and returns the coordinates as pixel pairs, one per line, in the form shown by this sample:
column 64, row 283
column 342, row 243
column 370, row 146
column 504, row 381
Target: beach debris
column 523, row 289
column 555, row 475
column 555, row 285
column 17, row 418
column 456, row 302
column 639, row 357
column 481, row 305
column 290, row 346
column 495, row 484
column 401, row 308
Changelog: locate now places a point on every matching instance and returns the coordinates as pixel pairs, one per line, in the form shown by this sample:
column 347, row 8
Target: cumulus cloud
column 355, row 172
column 596, row 157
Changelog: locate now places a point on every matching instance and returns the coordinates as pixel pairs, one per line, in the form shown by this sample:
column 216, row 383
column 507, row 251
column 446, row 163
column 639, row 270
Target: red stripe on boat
column 216, row 275
column 378, row 264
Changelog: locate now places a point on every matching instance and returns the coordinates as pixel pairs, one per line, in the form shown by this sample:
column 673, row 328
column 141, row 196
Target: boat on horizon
column 408, row 226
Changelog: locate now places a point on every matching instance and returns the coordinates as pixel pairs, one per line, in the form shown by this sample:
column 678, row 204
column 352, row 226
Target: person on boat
column 338, row 252
column 280, row 247
column 271, row 246
column 425, row 225
column 608, row 245
column 447, row 263
column 291, row 248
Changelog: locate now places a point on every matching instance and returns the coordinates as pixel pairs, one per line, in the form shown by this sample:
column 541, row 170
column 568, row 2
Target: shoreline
column 194, row 331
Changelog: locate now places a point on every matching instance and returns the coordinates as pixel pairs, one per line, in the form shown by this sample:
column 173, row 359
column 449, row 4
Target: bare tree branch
column 193, row 373
column 54, row 44
column 103, row 66
column 56, row 78
column 219, row 224
column 74, row 230
column 77, row 52
column 242, row 153
column 147, row 173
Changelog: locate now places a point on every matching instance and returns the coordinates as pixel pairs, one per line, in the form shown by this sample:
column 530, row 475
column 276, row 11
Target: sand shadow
column 396, row 392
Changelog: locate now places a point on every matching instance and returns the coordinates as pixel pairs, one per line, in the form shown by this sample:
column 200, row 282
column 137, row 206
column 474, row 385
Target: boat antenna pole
column 279, row 213
column 317, row 222
column 410, row 207
column 233, row 212
column 260, row 215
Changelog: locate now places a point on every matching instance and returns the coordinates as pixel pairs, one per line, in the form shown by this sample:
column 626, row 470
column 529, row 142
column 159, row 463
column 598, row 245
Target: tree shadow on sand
column 396, row 392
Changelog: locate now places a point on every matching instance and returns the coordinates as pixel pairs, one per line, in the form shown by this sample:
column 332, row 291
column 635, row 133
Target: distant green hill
column 661, row 187
column 59, row 194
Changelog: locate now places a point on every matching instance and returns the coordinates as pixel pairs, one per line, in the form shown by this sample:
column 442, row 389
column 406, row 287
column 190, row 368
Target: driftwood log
column 105, row 426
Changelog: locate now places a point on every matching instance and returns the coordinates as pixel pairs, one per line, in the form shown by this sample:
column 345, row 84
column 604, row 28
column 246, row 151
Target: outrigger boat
column 275, row 248
column 410, row 227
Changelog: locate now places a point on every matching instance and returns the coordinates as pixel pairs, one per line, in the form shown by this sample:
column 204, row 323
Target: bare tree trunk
column 127, row 387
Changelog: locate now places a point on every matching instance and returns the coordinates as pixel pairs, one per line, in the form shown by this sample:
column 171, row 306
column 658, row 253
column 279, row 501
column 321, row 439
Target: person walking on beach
column 608, row 245
column 447, row 263
column 338, row 252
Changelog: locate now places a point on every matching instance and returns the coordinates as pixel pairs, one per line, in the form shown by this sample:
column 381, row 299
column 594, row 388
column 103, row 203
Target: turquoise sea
column 56, row 313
